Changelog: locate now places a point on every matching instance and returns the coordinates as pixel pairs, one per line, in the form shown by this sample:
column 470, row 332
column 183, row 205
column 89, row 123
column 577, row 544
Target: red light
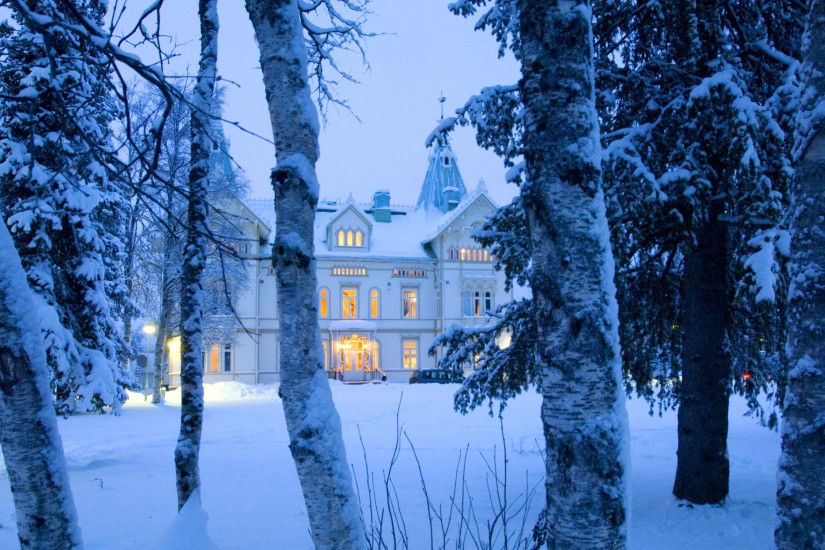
column 746, row 376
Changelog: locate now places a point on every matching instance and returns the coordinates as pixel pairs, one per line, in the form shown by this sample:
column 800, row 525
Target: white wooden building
column 390, row 279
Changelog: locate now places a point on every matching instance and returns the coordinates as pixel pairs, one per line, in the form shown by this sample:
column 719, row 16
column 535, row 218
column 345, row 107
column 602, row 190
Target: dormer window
column 349, row 238
column 446, row 161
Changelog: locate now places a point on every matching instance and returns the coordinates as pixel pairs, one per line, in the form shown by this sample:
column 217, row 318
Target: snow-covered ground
column 123, row 478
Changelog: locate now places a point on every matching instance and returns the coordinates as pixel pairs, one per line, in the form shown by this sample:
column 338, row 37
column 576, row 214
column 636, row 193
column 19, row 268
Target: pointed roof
column 443, row 187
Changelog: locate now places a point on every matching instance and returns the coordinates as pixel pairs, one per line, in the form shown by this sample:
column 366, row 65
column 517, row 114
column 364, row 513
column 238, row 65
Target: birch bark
column 194, row 260
column 585, row 424
column 801, row 484
column 312, row 421
column 32, row 449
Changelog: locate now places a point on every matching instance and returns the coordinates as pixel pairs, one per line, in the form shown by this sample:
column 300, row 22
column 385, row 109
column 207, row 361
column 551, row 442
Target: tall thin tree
column 801, row 490
column 312, row 422
column 187, row 451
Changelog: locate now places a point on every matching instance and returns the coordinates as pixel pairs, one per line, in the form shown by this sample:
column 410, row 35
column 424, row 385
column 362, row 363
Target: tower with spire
column 443, row 186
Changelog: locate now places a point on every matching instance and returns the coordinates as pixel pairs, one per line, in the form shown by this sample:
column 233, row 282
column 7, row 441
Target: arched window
column 349, row 238
column 463, row 254
column 466, row 303
column 323, row 303
column 375, row 303
column 340, row 237
column 488, row 301
column 475, row 254
column 477, row 303
column 446, row 161
column 358, row 238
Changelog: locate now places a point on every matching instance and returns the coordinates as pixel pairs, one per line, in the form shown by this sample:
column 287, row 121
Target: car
column 432, row 376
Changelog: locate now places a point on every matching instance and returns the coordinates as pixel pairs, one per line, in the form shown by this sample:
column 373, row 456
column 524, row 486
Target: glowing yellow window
column 410, row 305
column 410, row 349
column 324, row 303
column 349, row 238
column 214, row 358
column 375, row 301
column 359, row 238
column 349, row 303
column 341, row 237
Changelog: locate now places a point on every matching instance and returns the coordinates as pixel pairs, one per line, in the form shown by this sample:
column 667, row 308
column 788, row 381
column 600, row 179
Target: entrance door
column 354, row 360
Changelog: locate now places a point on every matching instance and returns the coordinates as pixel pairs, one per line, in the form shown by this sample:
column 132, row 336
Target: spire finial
column 441, row 100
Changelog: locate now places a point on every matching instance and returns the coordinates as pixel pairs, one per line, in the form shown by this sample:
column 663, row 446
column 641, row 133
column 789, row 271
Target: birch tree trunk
column 32, row 449
column 801, row 483
column 312, row 422
column 166, row 305
column 194, row 260
column 585, row 423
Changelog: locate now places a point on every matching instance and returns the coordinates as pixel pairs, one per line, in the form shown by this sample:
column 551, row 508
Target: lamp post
column 149, row 329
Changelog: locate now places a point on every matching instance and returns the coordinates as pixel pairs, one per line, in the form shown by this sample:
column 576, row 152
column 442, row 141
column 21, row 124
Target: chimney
column 381, row 206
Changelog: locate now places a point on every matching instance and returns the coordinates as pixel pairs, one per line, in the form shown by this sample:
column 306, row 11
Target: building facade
column 390, row 279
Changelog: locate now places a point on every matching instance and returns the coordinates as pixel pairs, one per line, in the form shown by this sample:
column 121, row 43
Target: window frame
column 375, row 303
column 354, row 300
column 404, row 355
column 414, row 302
column 323, row 303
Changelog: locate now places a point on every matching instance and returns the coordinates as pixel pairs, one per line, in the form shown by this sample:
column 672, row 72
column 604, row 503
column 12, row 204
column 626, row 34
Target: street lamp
column 149, row 329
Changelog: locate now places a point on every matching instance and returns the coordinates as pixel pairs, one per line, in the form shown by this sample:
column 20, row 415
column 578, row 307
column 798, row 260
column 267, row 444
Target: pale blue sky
column 426, row 50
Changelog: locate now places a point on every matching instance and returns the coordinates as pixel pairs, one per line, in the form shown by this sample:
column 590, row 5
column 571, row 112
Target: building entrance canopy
column 355, row 354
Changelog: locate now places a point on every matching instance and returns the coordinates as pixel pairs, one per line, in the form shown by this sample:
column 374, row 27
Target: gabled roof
column 479, row 194
column 443, row 187
column 349, row 205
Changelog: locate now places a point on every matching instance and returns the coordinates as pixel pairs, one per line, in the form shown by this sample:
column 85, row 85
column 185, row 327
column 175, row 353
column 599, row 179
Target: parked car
column 432, row 376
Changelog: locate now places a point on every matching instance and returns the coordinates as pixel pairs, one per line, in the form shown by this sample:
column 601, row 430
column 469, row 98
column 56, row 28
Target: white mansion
column 390, row 279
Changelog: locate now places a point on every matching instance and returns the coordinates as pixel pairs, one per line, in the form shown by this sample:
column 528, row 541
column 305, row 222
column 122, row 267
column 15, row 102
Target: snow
column 121, row 469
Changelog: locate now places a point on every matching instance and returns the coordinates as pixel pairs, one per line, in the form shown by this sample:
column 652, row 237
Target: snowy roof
column 404, row 237
column 443, row 186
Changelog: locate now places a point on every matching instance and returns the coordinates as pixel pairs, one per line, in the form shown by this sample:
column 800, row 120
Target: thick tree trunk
column 32, row 449
column 194, row 260
column 702, row 456
column 801, row 490
column 312, row 421
column 585, row 423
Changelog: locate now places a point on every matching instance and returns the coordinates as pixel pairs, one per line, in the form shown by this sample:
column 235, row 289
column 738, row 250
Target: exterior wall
column 438, row 281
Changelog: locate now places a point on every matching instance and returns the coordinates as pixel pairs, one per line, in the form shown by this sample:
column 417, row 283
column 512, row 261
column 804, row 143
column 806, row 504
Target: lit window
column 463, row 254
column 340, row 237
column 488, row 301
column 477, row 303
column 410, row 348
column 227, row 357
column 214, row 358
column 375, row 303
column 349, row 238
column 467, row 303
column 324, row 303
column 349, row 303
column 359, row 238
column 410, row 309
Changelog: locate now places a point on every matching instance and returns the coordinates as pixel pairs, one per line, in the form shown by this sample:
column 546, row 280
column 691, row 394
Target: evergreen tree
column 697, row 170
column 62, row 202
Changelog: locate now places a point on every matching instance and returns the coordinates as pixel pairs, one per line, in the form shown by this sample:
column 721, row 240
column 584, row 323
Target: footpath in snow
column 122, row 472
